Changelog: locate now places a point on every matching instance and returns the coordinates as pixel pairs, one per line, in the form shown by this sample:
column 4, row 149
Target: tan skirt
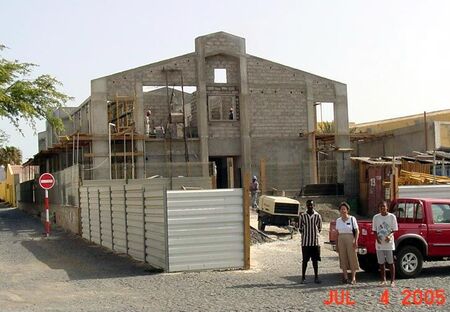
column 348, row 259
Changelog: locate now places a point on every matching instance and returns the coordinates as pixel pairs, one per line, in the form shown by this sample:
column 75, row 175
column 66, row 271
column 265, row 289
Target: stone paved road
column 65, row 273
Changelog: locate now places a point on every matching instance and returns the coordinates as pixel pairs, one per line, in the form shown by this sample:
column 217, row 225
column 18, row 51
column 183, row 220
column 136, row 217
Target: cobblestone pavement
column 65, row 273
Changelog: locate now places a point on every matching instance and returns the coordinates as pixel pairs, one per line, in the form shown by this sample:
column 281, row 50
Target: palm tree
column 325, row 127
column 10, row 155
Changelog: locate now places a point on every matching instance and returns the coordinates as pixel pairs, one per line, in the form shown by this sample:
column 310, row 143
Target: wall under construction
column 238, row 109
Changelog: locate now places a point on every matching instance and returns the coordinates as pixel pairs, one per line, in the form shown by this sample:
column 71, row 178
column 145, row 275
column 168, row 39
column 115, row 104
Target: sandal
column 345, row 281
column 353, row 282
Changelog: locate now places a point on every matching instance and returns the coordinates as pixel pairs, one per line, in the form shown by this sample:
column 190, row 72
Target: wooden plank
column 246, row 201
column 262, row 176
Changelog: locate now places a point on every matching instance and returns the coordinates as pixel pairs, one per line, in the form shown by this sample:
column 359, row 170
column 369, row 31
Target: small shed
column 374, row 182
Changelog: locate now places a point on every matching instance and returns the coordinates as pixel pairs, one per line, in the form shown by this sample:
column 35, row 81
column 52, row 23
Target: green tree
column 325, row 127
column 10, row 155
column 24, row 97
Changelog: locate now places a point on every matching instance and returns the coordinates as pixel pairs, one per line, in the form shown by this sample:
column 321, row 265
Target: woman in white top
column 347, row 243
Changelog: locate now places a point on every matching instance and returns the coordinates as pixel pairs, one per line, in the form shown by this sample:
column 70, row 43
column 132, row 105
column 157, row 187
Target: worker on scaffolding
column 147, row 121
column 231, row 114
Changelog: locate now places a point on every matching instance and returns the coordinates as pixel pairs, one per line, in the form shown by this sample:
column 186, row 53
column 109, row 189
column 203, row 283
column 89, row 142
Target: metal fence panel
column 135, row 221
column 84, row 205
column 94, row 215
column 104, row 195
column 118, row 222
column 205, row 229
column 155, row 226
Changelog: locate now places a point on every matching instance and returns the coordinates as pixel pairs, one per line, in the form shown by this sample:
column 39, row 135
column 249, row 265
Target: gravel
column 66, row 273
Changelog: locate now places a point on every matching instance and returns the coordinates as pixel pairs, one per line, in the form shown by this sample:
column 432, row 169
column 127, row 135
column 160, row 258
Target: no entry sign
column 46, row 181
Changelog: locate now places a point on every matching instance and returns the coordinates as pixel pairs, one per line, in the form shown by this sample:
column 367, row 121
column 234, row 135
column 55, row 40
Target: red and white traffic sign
column 46, row 181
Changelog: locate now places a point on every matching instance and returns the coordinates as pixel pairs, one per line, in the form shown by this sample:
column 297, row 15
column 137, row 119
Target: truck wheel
column 261, row 225
column 368, row 263
column 409, row 262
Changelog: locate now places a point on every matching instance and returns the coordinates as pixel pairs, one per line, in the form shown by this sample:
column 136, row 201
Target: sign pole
column 47, row 181
column 47, row 215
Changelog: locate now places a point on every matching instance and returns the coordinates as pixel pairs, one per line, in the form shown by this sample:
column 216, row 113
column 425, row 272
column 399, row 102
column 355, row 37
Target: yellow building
column 404, row 135
column 380, row 126
column 8, row 186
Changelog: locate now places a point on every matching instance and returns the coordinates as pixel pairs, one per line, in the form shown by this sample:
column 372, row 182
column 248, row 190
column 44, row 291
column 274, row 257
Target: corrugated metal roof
column 376, row 161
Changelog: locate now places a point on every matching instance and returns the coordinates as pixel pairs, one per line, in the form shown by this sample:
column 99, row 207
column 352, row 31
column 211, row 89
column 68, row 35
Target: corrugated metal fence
column 170, row 230
column 126, row 218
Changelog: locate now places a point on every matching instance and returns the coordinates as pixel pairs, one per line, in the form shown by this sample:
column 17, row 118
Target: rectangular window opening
column 167, row 110
column 324, row 117
column 220, row 75
column 223, row 107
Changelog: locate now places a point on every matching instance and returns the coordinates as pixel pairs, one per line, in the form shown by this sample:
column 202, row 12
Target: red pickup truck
column 423, row 235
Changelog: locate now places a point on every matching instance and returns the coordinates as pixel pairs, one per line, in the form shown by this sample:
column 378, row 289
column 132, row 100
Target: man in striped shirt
column 310, row 225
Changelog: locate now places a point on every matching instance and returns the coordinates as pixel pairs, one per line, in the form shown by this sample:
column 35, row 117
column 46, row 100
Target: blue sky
column 394, row 56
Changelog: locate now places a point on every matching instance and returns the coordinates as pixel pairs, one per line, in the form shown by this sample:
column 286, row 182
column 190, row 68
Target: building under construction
column 217, row 111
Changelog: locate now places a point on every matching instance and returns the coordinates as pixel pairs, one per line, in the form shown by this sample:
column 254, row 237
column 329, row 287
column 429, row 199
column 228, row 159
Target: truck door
column 410, row 214
column 439, row 230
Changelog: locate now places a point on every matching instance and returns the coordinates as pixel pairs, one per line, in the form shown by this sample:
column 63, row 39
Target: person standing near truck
column 347, row 243
column 310, row 225
column 384, row 224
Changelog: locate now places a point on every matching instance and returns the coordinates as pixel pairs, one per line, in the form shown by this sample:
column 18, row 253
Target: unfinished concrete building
column 217, row 105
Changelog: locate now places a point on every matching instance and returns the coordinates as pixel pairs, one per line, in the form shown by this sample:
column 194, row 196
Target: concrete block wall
column 323, row 90
column 231, row 64
column 68, row 218
column 287, row 165
column 220, row 42
column 157, row 158
column 261, row 71
column 282, row 107
column 159, row 149
column 80, row 118
column 123, row 83
column 398, row 142
column 278, row 112
column 156, row 101
column 224, row 129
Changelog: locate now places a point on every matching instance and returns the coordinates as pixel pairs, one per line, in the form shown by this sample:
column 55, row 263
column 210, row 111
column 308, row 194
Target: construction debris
column 258, row 237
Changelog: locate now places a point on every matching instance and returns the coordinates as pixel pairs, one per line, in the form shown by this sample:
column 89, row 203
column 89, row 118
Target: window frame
column 223, row 114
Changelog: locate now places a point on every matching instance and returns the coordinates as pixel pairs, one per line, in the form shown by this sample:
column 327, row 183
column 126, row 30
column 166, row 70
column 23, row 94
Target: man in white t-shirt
column 384, row 225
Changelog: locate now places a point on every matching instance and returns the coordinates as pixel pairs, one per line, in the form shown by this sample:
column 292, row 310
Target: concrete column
column 245, row 113
column 342, row 137
column 140, row 130
column 311, row 133
column 99, row 114
column 202, row 111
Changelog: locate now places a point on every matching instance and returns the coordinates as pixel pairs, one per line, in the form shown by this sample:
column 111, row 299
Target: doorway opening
column 227, row 171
